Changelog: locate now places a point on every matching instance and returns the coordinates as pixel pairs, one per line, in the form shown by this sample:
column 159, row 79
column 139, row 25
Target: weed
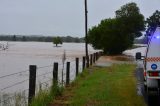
column 44, row 97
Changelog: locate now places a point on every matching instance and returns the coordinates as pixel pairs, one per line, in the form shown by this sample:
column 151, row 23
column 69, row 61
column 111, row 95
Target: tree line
column 39, row 38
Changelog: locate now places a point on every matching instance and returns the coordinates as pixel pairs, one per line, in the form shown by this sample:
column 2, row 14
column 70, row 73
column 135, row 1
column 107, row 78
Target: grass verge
column 112, row 86
column 44, row 97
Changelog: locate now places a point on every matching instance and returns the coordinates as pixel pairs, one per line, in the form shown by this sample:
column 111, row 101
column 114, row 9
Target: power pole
column 86, row 32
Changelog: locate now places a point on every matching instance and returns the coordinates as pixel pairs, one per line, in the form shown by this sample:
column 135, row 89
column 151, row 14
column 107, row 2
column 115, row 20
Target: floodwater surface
column 20, row 55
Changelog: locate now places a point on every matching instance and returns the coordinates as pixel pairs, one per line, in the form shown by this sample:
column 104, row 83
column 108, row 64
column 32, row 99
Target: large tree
column 106, row 36
column 117, row 34
column 152, row 22
column 131, row 20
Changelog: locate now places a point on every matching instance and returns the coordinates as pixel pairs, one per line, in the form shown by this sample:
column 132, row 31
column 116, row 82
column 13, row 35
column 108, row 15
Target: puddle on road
column 139, row 76
column 139, row 89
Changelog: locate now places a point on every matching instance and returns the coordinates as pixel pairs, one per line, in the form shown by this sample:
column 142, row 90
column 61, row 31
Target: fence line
column 13, row 74
column 43, row 74
column 44, row 66
column 8, row 75
column 71, row 69
column 46, row 81
column 14, row 84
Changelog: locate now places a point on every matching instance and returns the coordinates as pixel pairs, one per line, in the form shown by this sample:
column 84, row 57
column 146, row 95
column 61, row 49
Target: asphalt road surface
column 150, row 100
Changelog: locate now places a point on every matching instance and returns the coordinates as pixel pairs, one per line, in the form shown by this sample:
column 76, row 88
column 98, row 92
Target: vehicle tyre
column 145, row 88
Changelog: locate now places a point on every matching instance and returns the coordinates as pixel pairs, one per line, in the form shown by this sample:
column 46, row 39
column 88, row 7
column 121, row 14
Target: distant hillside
column 39, row 38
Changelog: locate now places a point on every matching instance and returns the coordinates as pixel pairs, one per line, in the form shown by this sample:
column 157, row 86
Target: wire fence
column 20, row 72
column 16, row 99
column 17, row 91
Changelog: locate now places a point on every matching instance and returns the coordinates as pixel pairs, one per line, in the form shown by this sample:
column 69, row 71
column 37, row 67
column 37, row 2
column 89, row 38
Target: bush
column 44, row 97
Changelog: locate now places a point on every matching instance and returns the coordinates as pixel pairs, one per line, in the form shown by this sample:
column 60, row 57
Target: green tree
column 106, row 36
column 57, row 40
column 95, row 37
column 152, row 22
column 117, row 34
column 131, row 20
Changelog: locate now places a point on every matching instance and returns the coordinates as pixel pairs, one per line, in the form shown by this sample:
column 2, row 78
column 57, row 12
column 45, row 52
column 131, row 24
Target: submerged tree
column 57, row 40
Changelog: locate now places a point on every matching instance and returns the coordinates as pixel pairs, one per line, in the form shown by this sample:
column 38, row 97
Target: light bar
column 157, row 37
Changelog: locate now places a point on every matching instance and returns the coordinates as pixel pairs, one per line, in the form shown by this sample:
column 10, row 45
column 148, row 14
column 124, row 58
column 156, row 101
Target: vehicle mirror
column 138, row 56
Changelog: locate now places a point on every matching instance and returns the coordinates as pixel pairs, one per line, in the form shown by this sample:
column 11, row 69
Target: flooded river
column 16, row 58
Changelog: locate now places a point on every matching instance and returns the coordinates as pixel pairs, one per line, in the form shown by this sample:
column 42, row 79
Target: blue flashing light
column 154, row 66
column 157, row 37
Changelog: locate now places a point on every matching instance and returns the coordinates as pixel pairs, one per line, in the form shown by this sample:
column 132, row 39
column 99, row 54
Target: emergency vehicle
column 151, row 63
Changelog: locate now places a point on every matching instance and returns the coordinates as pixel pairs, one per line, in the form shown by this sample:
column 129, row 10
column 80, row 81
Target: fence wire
column 44, row 74
column 61, row 67
column 14, row 84
column 44, row 66
column 13, row 74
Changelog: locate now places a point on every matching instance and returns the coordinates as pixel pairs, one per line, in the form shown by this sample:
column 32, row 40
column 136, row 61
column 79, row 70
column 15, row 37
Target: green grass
column 113, row 86
column 44, row 97
column 13, row 99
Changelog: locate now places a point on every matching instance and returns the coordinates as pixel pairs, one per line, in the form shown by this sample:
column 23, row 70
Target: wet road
column 150, row 100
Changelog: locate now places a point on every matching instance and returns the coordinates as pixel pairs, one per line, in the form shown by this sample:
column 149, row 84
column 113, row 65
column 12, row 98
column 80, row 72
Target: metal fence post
column 32, row 82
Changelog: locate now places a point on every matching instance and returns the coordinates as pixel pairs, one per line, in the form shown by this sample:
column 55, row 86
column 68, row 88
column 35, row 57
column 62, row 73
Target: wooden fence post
column 55, row 73
column 32, row 82
column 77, row 66
column 84, row 63
column 94, row 57
column 68, row 73
column 91, row 59
column 97, row 55
column 87, row 61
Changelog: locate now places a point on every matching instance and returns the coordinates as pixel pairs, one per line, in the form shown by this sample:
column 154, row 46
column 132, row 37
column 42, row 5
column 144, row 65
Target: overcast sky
column 60, row 17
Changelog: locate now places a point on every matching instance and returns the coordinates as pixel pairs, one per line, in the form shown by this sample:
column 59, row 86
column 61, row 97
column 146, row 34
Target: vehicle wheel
column 147, row 91
column 145, row 85
column 145, row 88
